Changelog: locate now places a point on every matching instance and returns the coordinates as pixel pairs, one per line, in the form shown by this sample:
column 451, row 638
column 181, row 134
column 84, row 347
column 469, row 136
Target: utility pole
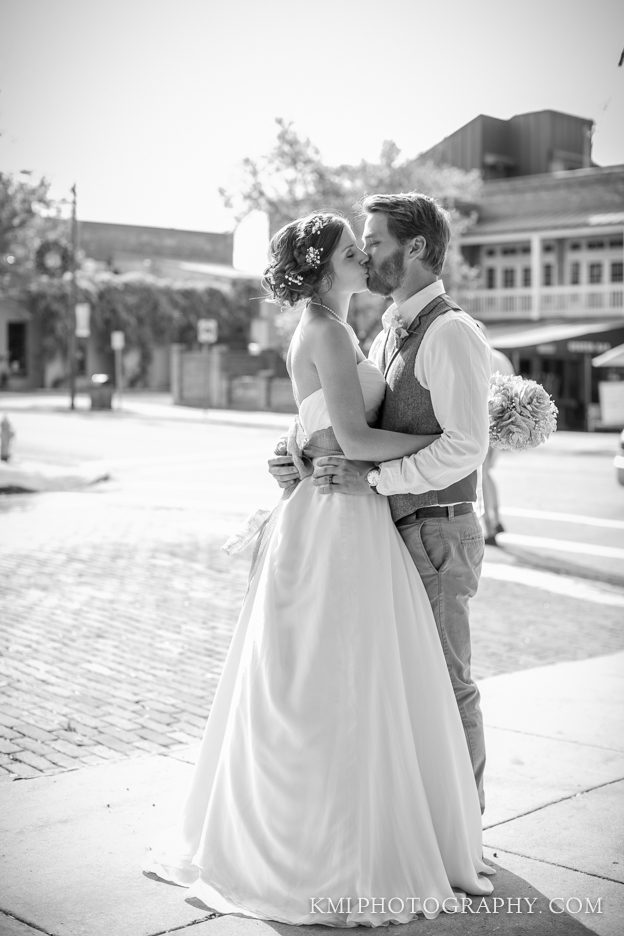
column 72, row 301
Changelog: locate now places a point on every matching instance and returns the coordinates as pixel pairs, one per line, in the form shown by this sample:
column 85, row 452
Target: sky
column 150, row 106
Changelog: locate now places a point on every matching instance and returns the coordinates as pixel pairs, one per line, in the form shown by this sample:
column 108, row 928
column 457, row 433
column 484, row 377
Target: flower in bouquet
column 522, row 413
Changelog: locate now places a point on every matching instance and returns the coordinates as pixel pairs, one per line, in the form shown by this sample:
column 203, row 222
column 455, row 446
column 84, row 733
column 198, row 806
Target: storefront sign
column 588, row 347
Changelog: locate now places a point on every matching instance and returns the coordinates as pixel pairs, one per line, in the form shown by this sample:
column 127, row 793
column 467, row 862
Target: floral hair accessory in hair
column 318, row 224
column 295, row 278
column 313, row 256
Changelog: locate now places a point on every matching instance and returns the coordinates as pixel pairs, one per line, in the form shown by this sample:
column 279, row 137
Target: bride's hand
column 282, row 468
column 347, row 477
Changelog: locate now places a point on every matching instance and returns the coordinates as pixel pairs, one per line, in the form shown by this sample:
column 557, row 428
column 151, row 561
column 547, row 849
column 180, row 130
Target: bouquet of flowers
column 522, row 413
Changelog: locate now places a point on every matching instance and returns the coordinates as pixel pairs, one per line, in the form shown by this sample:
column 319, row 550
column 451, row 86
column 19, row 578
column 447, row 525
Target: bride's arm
column 332, row 354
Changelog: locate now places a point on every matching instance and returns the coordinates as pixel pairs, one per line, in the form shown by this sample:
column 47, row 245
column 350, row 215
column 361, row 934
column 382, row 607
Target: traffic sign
column 207, row 331
column 82, row 319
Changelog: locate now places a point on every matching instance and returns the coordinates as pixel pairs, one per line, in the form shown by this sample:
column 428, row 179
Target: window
column 490, row 252
column 509, row 278
column 575, row 273
column 615, row 242
column 526, row 276
column 548, row 274
column 548, row 248
column 509, row 251
column 525, row 250
column 16, row 334
column 617, row 271
column 595, row 272
column 490, row 278
column 595, row 245
column 575, row 246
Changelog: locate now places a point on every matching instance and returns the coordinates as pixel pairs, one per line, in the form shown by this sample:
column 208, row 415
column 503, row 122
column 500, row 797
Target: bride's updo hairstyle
column 299, row 258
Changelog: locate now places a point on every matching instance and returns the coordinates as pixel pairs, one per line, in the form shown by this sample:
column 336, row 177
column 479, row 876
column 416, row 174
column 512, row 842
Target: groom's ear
column 417, row 247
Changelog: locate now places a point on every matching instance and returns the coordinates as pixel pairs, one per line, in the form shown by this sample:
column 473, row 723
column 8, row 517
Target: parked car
column 618, row 461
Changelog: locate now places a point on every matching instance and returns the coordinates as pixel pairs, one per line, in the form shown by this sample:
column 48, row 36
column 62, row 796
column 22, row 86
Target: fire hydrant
column 7, row 433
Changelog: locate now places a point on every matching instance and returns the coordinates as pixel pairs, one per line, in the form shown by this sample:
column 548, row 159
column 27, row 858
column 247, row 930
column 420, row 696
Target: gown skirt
column 333, row 783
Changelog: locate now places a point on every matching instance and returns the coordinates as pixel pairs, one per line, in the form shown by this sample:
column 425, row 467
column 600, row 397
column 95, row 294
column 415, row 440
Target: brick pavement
column 115, row 628
column 117, row 617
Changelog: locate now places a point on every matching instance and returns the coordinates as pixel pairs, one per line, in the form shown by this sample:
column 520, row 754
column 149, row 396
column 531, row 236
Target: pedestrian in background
column 491, row 516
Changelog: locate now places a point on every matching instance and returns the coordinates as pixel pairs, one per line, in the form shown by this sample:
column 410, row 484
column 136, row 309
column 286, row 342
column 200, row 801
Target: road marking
column 564, row 517
column 558, row 584
column 557, row 545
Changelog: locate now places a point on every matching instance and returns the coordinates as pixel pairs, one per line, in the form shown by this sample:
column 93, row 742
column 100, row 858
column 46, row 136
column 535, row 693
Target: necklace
column 327, row 309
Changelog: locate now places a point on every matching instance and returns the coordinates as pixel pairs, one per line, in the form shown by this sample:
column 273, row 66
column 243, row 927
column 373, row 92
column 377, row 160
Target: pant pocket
column 435, row 547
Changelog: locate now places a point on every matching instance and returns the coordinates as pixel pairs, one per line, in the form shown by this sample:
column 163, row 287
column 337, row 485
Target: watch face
column 373, row 477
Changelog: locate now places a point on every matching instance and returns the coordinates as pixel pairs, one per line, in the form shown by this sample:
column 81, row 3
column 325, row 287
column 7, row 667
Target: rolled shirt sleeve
column 453, row 364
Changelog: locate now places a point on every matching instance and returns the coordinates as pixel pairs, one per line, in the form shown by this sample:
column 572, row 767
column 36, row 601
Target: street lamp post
column 72, row 300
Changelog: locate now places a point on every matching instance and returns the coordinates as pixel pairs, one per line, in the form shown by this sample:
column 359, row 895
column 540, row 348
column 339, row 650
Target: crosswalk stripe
column 568, row 585
column 580, row 519
column 557, row 545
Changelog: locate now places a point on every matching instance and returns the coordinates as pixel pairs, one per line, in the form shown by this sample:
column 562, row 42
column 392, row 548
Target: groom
column 436, row 363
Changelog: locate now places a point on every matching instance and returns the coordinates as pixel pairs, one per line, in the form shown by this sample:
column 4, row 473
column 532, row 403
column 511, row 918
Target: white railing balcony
column 548, row 302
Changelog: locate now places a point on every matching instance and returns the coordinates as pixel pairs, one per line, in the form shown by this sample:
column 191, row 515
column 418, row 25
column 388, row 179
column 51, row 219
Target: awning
column 529, row 336
column 612, row 358
column 544, row 221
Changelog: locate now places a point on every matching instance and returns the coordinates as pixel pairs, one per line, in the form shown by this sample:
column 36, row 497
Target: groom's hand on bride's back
column 334, row 474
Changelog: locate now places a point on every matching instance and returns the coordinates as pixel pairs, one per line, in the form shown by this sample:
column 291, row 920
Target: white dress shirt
column 453, row 363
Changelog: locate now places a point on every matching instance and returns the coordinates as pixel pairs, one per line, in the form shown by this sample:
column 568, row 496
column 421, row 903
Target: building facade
column 527, row 144
column 548, row 245
column 194, row 257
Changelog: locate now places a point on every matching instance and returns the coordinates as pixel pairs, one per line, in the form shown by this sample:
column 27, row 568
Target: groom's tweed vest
column 407, row 407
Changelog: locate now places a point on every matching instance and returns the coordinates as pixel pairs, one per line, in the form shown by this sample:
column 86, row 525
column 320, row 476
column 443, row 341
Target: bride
column 333, row 783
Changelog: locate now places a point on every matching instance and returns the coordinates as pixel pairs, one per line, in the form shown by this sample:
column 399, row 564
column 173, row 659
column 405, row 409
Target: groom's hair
column 415, row 215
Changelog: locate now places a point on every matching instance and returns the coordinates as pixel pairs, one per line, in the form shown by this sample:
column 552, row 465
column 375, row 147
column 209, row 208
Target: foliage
column 27, row 215
column 148, row 310
column 292, row 180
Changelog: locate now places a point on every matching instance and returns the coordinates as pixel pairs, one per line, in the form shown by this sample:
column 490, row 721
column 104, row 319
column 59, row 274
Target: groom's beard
column 389, row 275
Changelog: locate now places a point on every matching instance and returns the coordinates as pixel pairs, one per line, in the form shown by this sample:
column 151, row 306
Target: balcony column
column 536, row 274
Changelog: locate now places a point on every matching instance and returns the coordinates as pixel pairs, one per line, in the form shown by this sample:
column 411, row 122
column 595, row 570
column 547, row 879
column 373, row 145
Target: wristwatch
column 373, row 477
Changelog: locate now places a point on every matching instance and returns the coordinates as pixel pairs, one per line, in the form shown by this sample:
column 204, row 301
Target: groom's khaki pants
column 448, row 554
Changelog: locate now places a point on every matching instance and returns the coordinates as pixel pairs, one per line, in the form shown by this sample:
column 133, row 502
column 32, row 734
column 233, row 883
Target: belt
column 452, row 510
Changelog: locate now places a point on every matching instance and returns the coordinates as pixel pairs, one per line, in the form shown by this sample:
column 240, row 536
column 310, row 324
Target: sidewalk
column 71, row 852
column 19, row 475
column 159, row 405
column 154, row 405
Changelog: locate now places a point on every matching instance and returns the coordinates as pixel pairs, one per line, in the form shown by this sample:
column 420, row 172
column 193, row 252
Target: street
column 118, row 602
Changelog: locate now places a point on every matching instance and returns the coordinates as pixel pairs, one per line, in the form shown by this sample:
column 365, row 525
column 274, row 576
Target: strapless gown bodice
column 313, row 412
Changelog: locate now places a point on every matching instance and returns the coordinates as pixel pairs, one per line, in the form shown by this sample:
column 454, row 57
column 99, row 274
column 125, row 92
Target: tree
column 292, row 180
column 27, row 215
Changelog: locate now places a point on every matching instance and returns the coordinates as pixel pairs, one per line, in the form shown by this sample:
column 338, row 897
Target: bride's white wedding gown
column 334, row 763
